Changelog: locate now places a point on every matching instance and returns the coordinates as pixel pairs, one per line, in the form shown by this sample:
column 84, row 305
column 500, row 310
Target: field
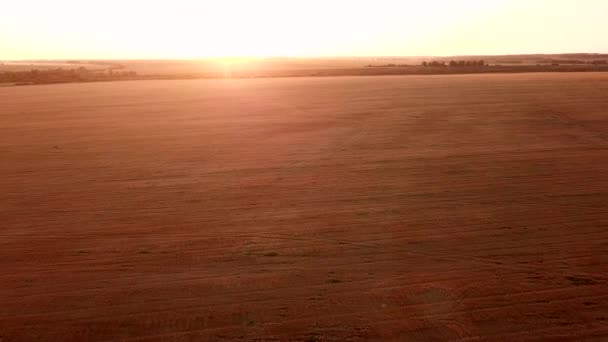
column 396, row 208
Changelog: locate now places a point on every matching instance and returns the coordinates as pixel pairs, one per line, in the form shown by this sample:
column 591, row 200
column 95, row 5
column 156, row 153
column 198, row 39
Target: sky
column 168, row 29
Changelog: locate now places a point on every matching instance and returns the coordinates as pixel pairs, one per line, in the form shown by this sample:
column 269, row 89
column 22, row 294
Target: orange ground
column 316, row 209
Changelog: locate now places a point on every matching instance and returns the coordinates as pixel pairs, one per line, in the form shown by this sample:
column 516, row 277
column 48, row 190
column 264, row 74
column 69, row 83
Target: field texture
column 468, row 207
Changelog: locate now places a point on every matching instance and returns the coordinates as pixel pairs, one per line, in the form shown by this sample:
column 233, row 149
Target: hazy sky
column 189, row 28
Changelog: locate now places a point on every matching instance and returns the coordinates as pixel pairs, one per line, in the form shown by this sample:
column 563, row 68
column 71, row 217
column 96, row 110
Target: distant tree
column 424, row 64
column 59, row 75
column 453, row 63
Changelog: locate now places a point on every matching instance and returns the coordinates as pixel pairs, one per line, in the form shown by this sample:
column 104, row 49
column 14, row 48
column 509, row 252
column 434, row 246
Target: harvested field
column 394, row 208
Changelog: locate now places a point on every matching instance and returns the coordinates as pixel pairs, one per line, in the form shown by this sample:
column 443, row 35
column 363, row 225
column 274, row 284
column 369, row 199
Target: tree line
column 64, row 75
column 453, row 63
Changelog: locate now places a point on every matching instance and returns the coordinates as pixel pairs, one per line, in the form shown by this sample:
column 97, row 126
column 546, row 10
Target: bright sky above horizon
column 42, row 29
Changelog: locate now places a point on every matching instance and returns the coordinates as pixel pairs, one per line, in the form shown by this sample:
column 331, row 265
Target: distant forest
column 496, row 62
column 64, row 76
column 461, row 63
